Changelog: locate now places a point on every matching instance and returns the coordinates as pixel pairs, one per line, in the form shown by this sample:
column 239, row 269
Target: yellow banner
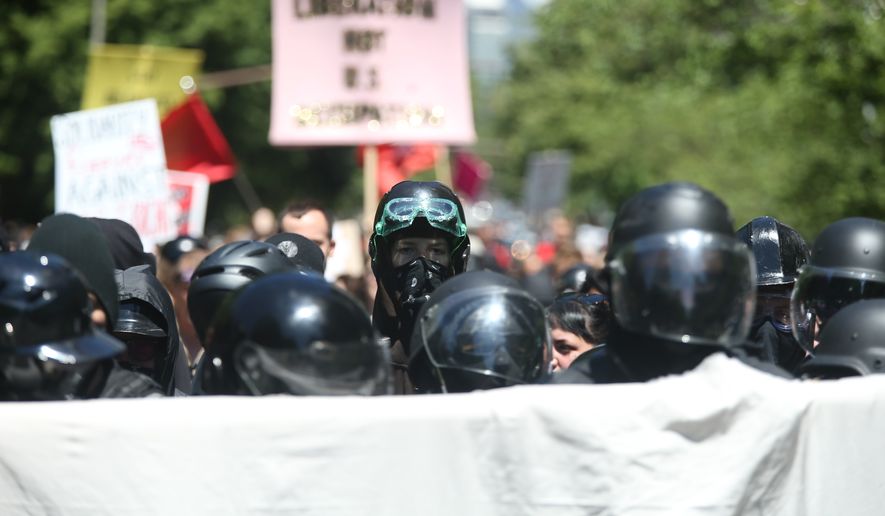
column 120, row 73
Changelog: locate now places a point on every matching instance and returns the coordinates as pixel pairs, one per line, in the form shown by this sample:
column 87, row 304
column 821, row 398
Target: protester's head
column 228, row 268
column 576, row 279
column 479, row 330
column 311, row 220
column 49, row 348
column 419, row 240
column 851, row 344
column 147, row 326
column 847, row 264
column 302, row 252
column 81, row 243
column 293, row 333
column 124, row 244
column 676, row 273
column 178, row 260
column 578, row 323
column 779, row 252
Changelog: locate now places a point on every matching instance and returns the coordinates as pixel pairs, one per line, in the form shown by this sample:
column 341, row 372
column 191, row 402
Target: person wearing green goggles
column 419, row 240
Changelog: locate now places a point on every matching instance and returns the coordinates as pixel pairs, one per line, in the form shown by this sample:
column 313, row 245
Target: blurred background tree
column 43, row 56
column 776, row 106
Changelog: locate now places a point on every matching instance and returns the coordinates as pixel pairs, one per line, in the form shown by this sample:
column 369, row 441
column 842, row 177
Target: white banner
column 721, row 440
column 110, row 163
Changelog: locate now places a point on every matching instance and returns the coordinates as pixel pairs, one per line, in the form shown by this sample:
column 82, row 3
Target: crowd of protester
column 433, row 299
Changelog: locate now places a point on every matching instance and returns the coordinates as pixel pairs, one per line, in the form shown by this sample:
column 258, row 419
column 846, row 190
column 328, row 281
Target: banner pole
column 443, row 166
column 370, row 185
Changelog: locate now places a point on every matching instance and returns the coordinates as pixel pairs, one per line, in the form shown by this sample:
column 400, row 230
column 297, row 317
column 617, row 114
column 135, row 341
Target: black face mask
column 780, row 346
column 410, row 286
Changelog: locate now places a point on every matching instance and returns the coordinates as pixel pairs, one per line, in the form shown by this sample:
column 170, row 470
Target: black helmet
column 779, row 250
column 173, row 250
column 847, row 264
column 304, row 254
column 409, row 201
column 226, row 269
column 577, row 279
column 479, row 330
column 675, row 270
column 293, row 333
column 48, row 346
column 851, row 344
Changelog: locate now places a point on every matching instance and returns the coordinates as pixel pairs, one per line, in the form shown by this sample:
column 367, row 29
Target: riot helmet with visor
column 675, row 270
column 847, row 264
column 293, row 333
column 49, row 349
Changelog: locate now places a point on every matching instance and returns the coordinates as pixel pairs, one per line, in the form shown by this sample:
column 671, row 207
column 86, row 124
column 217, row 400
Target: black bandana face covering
column 410, row 285
column 414, row 281
column 780, row 346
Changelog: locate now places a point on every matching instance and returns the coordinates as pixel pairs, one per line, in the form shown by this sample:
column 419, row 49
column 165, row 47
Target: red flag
column 471, row 174
column 399, row 162
column 194, row 143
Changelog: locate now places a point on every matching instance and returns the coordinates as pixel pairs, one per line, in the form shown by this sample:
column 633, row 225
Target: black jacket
column 629, row 358
column 139, row 283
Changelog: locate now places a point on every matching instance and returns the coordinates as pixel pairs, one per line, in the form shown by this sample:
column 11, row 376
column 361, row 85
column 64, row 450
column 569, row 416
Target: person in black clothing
column 81, row 243
column 226, row 269
column 49, row 347
column 419, row 240
column 847, row 264
column 147, row 326
column 681, row 288
column 851, row 344
column 293, row 333
column 779, row 252
column 479, row 331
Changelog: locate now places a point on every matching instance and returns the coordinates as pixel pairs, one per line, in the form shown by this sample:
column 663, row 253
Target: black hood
column 138, row 283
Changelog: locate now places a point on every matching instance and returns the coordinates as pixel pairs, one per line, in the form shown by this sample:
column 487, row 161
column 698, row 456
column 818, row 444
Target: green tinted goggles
column 401, row 213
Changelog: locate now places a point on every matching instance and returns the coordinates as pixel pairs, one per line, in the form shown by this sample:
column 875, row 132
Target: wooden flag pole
column 443, row 166
column 370, row 185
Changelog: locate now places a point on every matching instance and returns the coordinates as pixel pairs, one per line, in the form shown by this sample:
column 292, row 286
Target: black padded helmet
column 852, row 343
column 48, row 346
column 577, row 279
column 779, row 250
column 676, row 272
column 409, row 202
column 226, row 269
column 479, row 330
column 293, row 333
column 847, row 264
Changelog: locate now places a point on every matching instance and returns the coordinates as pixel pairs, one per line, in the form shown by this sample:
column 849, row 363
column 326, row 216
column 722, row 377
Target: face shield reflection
column 502, row 334
column 689, row 286
column 820, row 292
column 323, row 369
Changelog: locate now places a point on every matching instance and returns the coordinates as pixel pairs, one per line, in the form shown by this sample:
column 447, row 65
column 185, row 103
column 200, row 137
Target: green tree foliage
column 43, row 55
column 778, row 107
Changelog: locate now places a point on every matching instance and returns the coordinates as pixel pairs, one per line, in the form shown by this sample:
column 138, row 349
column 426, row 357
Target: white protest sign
column 190, row 192
column 110, row 163
column 370, row 72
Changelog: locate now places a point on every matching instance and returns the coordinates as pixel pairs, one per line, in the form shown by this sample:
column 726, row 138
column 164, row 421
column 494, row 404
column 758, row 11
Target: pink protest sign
column 370, row 72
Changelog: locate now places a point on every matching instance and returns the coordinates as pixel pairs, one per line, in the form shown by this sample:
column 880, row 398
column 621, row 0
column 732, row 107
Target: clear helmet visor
column 689, row 286
column 502, row 335
column 440, row 213
column 322, row 369
column 820, row 292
